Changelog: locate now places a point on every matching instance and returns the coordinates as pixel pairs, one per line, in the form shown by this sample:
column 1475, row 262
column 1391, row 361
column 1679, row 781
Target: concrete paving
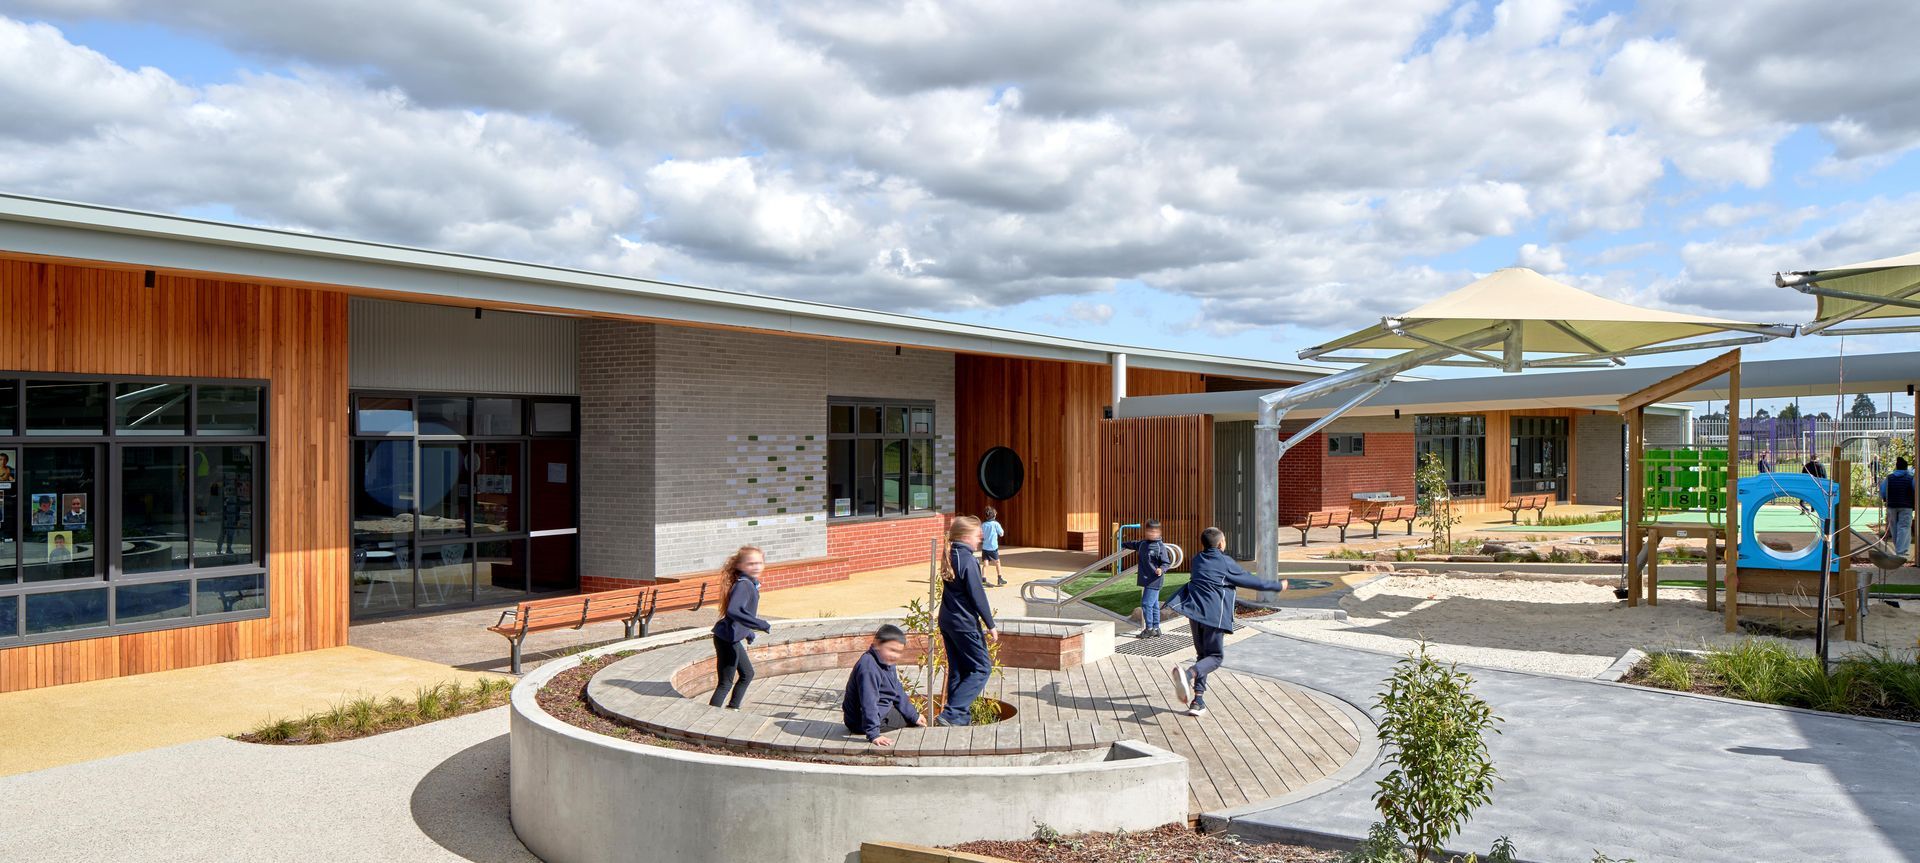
column 461, row 639
column 433, row 793
column 82, row 721
column 1633, row 772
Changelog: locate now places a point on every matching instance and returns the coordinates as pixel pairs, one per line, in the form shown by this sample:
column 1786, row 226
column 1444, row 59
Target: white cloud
column 1545, row 259
column 1280, row 163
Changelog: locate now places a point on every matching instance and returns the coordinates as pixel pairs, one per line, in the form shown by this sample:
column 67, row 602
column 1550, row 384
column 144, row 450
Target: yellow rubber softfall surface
column 82, row 721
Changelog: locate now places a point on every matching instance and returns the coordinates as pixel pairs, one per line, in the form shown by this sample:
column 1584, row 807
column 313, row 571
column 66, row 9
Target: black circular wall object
column 1001, row 473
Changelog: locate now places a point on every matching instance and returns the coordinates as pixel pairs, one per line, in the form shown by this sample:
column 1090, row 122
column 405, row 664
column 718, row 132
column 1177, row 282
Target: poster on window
column 7, row 459
column 842, row 507
column 60, row 546
column 73, row 513
column 45, row 514
column 493, row 483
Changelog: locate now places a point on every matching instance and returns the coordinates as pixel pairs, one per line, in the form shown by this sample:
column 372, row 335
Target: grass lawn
column 1123, row 597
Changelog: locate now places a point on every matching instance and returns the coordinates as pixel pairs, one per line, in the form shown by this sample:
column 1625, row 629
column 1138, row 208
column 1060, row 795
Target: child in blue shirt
column 1152, row 558
column 990, row 533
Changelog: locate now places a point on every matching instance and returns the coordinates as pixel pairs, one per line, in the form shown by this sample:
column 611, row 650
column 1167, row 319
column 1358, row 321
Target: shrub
column 1754, row 670
column 1668, row 671
column 1434, row 728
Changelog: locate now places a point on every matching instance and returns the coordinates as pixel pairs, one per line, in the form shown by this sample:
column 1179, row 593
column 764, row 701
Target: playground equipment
column 1761, row 580
column 1050, row 594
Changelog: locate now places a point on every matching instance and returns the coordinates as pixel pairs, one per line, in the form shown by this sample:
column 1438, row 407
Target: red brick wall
column 1310, row 479
column 885, row 542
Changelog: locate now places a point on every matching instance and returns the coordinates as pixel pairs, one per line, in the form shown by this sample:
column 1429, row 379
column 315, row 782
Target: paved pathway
column 433, row 793
column 1635, row 773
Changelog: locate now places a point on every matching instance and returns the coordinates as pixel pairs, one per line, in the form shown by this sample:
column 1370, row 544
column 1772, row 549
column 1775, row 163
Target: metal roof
column 1599, row 390
column 90, row 232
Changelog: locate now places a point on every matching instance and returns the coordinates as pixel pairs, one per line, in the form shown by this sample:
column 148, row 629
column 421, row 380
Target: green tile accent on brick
column 751, row 480
column 782, row 509
column 781, row 469
column 753, row 437
column 753, row 524
column 809, row 518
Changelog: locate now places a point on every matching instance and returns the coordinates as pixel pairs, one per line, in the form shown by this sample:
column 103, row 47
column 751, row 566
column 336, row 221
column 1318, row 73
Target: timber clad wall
column 1049, row 412
column 85, row 320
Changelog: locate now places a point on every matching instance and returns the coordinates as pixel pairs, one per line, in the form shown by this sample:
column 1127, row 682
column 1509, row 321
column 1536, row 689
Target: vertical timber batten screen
column 1159, row 468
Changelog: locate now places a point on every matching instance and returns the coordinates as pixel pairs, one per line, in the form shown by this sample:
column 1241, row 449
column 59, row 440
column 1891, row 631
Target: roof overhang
column 1594, row 390
column 92, row 234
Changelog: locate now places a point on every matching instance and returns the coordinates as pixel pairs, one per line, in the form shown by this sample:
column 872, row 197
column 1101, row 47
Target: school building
column 223, row 442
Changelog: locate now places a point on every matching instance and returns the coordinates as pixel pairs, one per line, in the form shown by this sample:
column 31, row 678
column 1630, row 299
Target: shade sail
column 1552, row 318
column 1896, row 278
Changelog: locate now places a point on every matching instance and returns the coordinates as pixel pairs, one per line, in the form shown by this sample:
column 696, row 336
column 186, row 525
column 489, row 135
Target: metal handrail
column 1028, row 593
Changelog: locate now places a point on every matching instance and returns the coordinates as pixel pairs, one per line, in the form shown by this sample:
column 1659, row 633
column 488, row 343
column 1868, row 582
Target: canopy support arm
column 1269, row 449
column 1582, row 338
column 1641, row 352
column 1902, row 298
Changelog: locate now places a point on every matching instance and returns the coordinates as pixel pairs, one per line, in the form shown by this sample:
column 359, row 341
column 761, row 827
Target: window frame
column 1423, row 441
column 421, row 544
column 1355, row 445
column 881, row 438
column 107, row 504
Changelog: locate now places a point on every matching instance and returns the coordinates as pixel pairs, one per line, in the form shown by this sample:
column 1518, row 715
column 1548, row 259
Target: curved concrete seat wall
column 581, row 797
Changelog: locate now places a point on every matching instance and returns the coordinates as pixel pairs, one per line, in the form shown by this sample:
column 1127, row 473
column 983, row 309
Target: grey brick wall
column 733, row 449
column 616, row 449
column 1596, row 452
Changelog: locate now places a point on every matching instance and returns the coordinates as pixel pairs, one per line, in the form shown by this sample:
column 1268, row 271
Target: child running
column 739, row 618
column 1207, row 602
column 875, row 702
column 1152, row 557
column 966, row 622
column 990, row 533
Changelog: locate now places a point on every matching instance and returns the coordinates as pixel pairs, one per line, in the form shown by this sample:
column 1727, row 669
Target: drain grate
column 1165, row 645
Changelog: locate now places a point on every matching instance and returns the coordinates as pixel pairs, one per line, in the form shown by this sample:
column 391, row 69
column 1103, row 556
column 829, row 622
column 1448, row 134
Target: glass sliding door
column 462, row 499
column 1539, row 451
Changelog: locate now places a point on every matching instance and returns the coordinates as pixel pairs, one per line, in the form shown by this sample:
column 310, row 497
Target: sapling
column 1434, row 728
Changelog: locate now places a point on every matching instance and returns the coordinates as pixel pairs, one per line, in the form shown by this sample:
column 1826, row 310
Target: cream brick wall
column 727, row 430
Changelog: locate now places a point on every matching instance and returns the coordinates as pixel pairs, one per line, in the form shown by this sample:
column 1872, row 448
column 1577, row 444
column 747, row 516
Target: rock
column 1587, row 554
column 1412, row 572
column 1501, row 548
column 1470, row 558
column 1388, row 556
column 1376, row 567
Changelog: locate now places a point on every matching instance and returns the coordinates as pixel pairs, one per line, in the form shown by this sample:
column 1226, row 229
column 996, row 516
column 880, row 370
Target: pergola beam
column 1682, row 382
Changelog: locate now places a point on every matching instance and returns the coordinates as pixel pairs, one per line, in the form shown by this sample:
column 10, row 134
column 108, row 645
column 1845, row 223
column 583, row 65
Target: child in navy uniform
column 1152, row 557
column 1207, row 602
column 739, row 618
column 966, row 622
column 990, row 532
column 875, row 703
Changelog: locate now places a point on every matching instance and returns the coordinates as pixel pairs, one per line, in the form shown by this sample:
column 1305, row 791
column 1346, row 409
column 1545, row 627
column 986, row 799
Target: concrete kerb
column 581, row 797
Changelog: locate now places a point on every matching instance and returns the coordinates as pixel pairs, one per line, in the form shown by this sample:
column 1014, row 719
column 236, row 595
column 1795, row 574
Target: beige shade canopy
column 1548, row 316
column 1895, row 282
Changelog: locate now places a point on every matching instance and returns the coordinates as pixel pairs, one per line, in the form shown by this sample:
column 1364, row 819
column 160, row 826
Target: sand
column 1557, row 627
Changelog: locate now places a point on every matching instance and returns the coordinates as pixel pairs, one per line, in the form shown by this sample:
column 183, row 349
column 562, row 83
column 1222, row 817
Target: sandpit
column 1553, row 626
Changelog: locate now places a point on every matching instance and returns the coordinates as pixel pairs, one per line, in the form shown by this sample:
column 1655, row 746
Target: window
column 1461, row 443
column 880, row 458
column 459, row 498
column 1538, row 449
column 1346, row 444
column 125, row 504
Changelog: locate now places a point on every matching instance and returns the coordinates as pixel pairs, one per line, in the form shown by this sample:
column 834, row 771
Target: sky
column 1223, row 177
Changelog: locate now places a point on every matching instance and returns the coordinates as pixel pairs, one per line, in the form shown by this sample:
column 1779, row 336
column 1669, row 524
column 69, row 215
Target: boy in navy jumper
column 1152, row 557
column 1207, row 602
column 875, row 703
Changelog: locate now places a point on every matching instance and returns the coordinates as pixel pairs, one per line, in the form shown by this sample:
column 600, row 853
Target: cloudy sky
column 1244, row 178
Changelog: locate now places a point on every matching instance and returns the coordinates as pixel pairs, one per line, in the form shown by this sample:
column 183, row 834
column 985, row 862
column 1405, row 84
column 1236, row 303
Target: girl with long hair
column 739, row 619
column 966, row 622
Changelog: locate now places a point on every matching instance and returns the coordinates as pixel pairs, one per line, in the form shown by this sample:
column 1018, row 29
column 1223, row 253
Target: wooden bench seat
column 634, row 607
column 1340, row 518
column 1397, row 512
column 1536, row 502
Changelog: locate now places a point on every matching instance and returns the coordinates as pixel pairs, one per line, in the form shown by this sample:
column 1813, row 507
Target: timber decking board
column 1261, row 739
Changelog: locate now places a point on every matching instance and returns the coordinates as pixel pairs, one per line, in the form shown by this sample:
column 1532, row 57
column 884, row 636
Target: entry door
column 553, row 501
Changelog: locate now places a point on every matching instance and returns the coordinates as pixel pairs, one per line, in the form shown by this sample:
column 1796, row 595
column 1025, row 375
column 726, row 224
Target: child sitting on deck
column 875, row 702
column 1152, row 557
column 1207, row 603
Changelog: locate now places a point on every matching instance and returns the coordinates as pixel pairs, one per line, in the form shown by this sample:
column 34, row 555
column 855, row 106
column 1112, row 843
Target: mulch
column 1171, row 843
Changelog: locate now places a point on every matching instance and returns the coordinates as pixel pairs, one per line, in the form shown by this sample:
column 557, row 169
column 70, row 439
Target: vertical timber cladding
column 1161, row 467
column 87, row 320
column 1049, row 412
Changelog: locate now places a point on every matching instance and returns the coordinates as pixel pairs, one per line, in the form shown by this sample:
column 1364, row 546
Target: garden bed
column 1172, row 843
column 1881, row 687
column 366, row 717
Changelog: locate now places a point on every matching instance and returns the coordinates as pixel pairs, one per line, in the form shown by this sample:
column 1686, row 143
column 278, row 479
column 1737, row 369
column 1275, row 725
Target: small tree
column 1434, row 728
column 1790, row 412
column 1435, row 500
column 1863, row 407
